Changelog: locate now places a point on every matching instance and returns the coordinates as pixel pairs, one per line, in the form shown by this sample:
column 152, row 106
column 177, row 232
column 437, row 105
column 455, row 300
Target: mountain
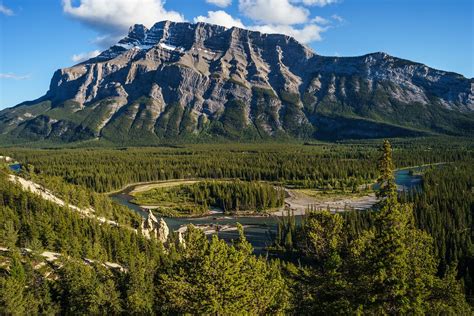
column 202, row 81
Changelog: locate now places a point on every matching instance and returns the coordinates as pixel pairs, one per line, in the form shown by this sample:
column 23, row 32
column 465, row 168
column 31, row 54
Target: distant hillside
column 201, row 81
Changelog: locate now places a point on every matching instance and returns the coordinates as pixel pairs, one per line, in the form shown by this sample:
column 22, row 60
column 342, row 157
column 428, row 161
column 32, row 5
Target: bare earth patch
column 164, row 184
column 298, row 201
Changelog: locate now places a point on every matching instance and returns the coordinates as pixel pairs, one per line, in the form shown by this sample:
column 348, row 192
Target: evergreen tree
column 140, row 294
column 322, row 286
column 14, row 296
column 387, row 189
column 214, row 278
column 394, row 262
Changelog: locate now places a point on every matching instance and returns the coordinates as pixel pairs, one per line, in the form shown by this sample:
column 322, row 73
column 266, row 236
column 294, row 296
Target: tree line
column 229, row 196
column 319, row 165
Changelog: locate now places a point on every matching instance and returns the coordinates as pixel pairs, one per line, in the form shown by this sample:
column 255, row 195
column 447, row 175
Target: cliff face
column 181, row 80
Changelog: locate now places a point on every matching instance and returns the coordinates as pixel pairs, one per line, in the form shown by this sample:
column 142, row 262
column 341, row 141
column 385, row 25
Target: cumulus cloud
column 285, row 17
column 273, row 11
column 14, row 76
column 77, row 58
column 107, row 40
column 220, row 3
column 5, row 10
column 306, row 34
column 220, row 18
column 321, row 20
column 320, row 3
column 115, row 17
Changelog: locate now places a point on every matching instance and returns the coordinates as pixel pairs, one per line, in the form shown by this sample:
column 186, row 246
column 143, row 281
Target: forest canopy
column 412, row 254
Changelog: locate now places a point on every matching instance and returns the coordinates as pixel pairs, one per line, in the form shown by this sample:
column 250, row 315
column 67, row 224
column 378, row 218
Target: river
column 259, row 230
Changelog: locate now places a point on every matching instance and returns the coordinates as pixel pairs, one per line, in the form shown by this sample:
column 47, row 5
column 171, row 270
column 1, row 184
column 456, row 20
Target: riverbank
column 296, row 200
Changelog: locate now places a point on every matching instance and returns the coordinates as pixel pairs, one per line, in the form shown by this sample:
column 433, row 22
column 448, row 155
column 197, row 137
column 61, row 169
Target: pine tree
column 14, row 298
column 394, row 269
column 140, row 286
column 386, row 180
column 212, row 277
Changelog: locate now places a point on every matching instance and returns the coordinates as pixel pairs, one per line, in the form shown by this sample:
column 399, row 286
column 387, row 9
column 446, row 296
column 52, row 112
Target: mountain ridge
column 183, row 80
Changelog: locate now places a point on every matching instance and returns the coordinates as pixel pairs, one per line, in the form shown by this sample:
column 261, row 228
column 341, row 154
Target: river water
column 259, row 230
column 16, row 167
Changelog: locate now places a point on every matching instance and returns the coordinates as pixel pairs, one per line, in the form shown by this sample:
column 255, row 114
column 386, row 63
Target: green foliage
column 234, row 119
column 304, row 166
column 228, row 278
column 168, row 125
column 140, row 286
column 27, row 218
column 229, row 196
column 374, row 262
column 388, row 268
column 82, row 197
column 444, row 209
column 212, row 277
column 387, row 189
column 264, row 92
column 286, row 231
column 88, row 290
column 289, row 97
column 22, row 289
column 322, row 232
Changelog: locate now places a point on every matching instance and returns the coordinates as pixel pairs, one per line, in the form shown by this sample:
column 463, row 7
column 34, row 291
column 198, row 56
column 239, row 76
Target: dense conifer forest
column 227, row 196
column 324, row 165
column 412, row 254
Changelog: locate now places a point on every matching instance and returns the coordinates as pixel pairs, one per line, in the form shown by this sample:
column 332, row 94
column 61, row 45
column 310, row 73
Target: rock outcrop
column 153, row 228
column 182, row 80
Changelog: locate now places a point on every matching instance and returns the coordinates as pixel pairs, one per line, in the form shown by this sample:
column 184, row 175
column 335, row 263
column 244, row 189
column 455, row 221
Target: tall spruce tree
column 386, row 180
column 212, row 277
column 394, row 267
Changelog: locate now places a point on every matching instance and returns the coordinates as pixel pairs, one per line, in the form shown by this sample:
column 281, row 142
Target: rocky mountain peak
column 201, row 80
column 137, row 33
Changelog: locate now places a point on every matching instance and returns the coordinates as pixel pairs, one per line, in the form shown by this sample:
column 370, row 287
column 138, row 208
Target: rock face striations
column 188, row 81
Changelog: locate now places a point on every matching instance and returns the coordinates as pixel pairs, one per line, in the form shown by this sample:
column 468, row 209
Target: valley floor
column 298, row 201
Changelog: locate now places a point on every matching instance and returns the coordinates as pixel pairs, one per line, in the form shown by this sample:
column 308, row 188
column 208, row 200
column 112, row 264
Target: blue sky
column 38, row 37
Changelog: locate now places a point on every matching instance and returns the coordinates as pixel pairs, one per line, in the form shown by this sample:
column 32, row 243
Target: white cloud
column 5, row 10
column 285, row 17
column 273, row 11
column 107, row 40
column 307, row 34
column 77, row 58
column 220, row 18
column 220, row 3
column 321, row 20
column 115, row 17
column 338, row 18
column 320, row 3
column 14, row 76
